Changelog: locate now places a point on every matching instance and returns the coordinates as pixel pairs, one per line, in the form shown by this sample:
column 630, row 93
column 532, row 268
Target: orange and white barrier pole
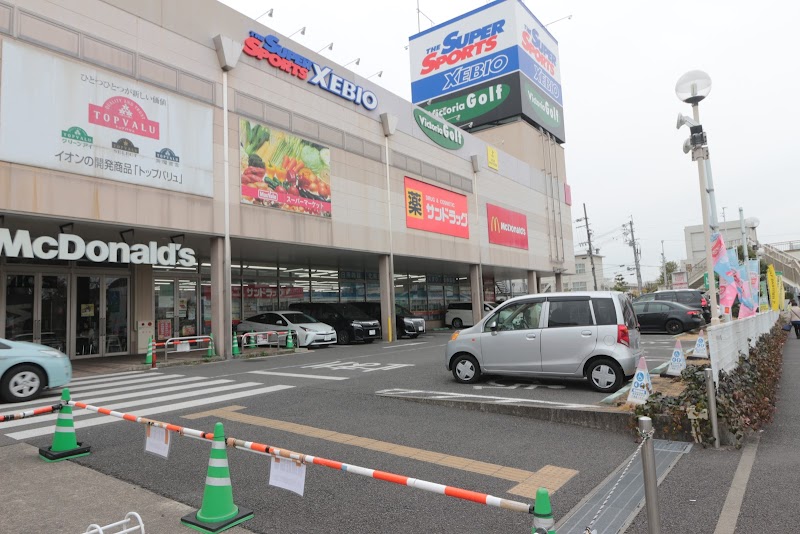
column 31, row 413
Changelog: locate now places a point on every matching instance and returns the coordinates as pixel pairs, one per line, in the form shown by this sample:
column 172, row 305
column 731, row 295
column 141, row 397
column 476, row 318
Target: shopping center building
column 135, row 141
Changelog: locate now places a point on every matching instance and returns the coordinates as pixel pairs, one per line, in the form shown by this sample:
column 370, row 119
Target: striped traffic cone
column 149, row 358
column 211, row 351
column 235, row 351
column 65, row 443
column 218, row 512
column 543, row 522
column 290, row 340
column 251, row 344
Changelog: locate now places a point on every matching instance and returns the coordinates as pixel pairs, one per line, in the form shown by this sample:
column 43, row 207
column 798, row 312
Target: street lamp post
column 691, row 88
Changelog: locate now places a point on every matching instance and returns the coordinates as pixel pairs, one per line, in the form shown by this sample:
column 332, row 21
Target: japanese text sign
column 434, row 209
column 82, row 120
column 506, row 227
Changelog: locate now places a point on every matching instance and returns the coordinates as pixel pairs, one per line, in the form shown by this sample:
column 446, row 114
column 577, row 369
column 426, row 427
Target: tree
column 671, row 268
column 619, row 283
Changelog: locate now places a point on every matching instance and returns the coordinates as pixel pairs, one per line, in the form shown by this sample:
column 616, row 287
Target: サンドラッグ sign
column 434, row 209
column 281, row 170
column 69, row 117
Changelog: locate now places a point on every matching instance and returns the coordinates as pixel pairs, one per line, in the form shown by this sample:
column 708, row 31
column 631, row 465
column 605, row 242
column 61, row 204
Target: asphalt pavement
column 323, row 402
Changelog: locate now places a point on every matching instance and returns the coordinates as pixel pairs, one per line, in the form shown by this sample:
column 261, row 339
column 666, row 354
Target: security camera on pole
column 691, row 88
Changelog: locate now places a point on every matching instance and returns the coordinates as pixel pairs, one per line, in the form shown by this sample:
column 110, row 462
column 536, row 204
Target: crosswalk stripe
column 298, row 375
column 55, row 395
column 110, row 376
column 44, row 431
column 126, row 381
column 103, row 401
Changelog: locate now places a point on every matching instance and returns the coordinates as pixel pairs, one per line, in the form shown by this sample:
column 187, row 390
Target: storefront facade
column 113, row 173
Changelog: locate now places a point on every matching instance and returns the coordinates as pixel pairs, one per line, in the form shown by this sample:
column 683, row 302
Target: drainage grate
column 628, row 498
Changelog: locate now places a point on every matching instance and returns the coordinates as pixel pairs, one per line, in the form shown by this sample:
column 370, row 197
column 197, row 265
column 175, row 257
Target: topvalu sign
column 70, row 247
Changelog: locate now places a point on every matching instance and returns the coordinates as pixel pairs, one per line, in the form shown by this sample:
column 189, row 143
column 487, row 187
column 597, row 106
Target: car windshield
column 402, row 310
column 298, row 318
column 351, row 312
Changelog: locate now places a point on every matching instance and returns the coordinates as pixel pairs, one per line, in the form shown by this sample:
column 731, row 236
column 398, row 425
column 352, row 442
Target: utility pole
column 628, row 227
column 589, row 243
column 664, row 265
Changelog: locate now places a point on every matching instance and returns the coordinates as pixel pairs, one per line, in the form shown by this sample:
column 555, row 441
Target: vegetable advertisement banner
column 70, row 117
column 434, row 209
column 281, row 170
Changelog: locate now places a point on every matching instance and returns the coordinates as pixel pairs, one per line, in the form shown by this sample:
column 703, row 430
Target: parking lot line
column 297, row 375
column 550, row 476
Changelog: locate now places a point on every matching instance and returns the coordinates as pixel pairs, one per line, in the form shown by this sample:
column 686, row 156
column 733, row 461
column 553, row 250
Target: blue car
column 26, row 369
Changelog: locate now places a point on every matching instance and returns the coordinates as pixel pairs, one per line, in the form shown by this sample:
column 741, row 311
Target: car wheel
column 605, row 375
column 458, row 324
column 415, row 336
column 674, row 327
column 368, row 341
column 343, row 337
column 466, row 369
column 21, row 383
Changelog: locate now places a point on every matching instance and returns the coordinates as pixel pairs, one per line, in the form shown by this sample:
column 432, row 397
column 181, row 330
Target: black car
column 406, row 322
column 670, row 317
column 693, row 298
column 351, row 324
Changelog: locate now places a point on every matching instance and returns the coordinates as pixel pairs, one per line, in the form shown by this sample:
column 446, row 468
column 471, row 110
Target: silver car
column 590, row 334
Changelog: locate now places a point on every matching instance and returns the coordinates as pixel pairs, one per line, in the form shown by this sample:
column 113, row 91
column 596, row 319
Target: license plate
column 328, row 338
column 372, row 332
column 419, row 328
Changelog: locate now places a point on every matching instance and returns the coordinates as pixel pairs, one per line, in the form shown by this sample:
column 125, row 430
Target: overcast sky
column 619, row 64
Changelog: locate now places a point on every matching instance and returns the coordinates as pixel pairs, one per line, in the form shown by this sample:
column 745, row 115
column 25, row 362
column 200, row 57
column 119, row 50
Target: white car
column 459, row 314
column 307, row 330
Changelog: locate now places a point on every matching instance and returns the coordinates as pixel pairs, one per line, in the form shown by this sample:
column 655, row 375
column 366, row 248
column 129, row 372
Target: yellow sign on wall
column 492, row 158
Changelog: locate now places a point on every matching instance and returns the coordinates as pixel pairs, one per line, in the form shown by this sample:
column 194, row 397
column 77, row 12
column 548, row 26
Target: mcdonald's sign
column 506, row 227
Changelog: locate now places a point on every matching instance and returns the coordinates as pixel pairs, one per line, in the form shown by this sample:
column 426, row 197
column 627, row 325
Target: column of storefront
column 387, row 302
column 222, row 332
column 476, row 284
column 144, row 307
column 533, row 283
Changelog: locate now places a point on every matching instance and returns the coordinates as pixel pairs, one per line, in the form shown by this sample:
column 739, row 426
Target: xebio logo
column 125, row 115
column 70, row 247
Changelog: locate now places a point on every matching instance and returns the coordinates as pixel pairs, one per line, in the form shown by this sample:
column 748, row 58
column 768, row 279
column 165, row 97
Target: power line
column 585, row 219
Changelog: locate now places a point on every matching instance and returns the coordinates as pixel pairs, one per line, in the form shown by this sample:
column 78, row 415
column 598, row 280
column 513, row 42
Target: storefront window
column 400, row 290
column 465, row 291
column 373, row 287
column 417, row 293
column 259, row 289
column 19, row 306
column 295, row 286
column 325, row 286
column 436, row 308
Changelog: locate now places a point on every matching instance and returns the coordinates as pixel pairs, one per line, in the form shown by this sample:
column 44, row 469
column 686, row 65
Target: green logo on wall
column 442, row 133
column 467, row 107
column 77, row 134
column 544, row 110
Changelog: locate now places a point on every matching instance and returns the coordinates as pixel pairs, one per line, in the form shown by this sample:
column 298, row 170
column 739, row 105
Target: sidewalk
column 67, row 497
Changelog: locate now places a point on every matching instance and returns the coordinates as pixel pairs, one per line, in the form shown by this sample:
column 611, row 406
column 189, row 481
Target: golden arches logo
column 495, row 224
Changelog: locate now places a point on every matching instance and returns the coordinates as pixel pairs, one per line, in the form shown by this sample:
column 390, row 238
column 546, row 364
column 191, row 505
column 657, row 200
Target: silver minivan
column 590, row 334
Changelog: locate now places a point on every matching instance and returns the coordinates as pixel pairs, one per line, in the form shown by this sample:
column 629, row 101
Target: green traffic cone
column 235, row 351
column 149, row 358
column 65, row 443
column 543, row 513
column 211, row 352
column 290, row 340
column 218, row 512
column 251, row 344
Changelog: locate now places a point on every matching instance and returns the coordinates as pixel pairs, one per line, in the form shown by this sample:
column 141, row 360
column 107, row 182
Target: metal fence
column 726, row 341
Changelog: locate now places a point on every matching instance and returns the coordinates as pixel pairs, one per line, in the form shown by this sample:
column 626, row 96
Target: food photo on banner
column 82, row 120
column 282, row 171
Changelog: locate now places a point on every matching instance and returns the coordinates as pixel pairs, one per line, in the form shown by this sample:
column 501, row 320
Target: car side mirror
column 493, row 326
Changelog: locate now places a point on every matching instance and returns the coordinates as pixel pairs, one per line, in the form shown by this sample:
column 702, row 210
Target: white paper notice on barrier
column 641, row 388
column 700, row 347
column 678, row 361
column 287, row 474
column 156, row 441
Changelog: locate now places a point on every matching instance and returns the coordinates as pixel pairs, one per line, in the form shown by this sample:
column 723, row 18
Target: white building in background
column 731, row 233
column 582, row 280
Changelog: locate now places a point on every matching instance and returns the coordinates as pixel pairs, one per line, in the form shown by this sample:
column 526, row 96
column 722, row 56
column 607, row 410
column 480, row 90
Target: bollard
column 289, row 340
column 711, row 394
column 650, row 477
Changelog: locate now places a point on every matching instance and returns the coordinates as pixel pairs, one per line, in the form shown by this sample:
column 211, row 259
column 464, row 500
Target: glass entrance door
column 176, row 307
column 102, row 315
column 37, row 309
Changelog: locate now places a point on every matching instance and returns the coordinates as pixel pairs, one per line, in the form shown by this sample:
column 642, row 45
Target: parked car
column 407, row 323
column 307, row 330
column 693, row 298
column 459, row 314
column 350, row 323
column 589, row 334
column 26, row 369
column 670, row 317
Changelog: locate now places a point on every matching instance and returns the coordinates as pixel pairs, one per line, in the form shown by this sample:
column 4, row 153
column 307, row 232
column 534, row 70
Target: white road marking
column 733, row 502
column 405, row 345
column 298, row 375
column 446, row 395
column 92, row 377
column 32, row 433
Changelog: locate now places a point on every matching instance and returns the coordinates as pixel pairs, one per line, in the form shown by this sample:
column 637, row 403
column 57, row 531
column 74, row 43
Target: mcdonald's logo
column 506, row 227
column 495, row 224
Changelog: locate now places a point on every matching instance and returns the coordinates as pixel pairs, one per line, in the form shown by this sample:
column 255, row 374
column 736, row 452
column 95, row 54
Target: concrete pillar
column 144, row 306
column 533, row 283
column 221, row 331
column 386, row 276
column 476, row 283
column 559, row 285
